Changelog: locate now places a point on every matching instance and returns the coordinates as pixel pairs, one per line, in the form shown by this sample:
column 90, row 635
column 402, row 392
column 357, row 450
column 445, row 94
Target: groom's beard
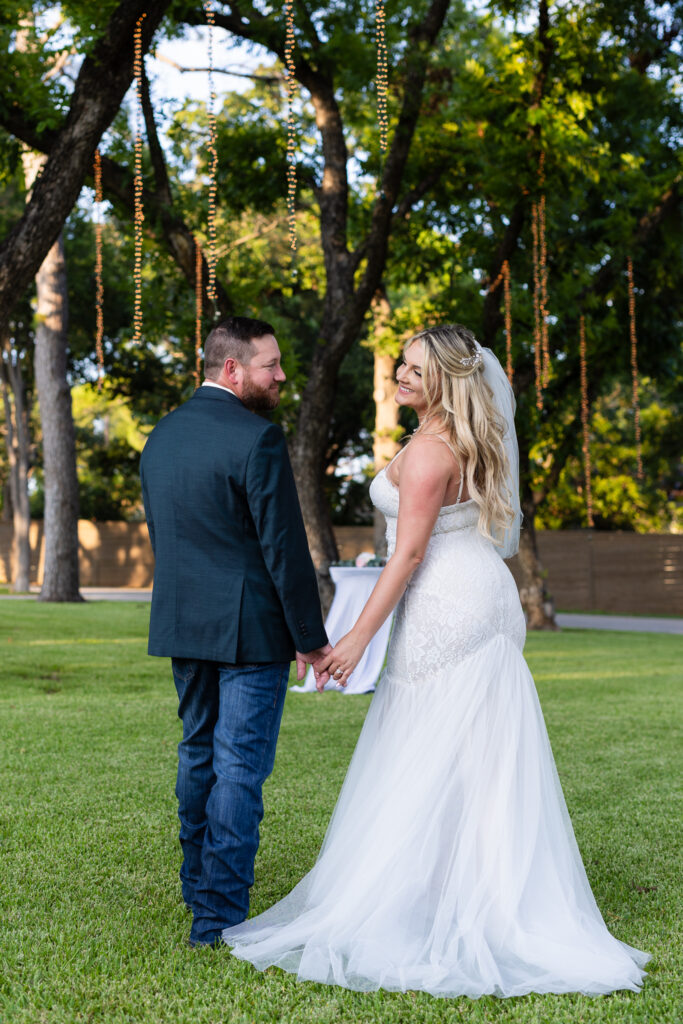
column 259, row 399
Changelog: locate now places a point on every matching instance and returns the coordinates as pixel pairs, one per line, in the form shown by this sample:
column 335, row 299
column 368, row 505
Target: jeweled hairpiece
column 475, row 359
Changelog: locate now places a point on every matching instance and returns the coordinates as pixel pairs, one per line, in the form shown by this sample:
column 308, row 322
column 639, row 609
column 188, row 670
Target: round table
column 353, row 586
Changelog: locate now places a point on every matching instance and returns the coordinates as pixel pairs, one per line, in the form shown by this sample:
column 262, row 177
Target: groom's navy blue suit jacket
column 233, row 580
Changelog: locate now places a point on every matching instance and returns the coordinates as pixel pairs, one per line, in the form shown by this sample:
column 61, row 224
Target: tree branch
column 117, row 183
column 416, row 194
column 104, row 77
column 179, row 239
column 641, row 60
column 269, row 79
column 491, row 318
column 243, row 21
column 668, row 202
column 163, row 186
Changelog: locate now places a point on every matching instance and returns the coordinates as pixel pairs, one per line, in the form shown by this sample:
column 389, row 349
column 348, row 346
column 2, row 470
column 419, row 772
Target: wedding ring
column 338, row 674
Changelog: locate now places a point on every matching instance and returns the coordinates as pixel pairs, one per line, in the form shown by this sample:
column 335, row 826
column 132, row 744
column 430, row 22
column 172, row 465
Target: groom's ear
column 232, row 371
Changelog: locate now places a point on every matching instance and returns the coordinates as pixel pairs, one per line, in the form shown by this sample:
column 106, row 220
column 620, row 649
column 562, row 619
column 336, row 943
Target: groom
column 235, row 596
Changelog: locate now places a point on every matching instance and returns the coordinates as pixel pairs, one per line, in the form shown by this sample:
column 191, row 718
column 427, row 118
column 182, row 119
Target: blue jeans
column 231, row 718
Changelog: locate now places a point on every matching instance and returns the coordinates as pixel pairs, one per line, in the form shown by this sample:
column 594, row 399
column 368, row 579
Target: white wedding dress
column 450, row 864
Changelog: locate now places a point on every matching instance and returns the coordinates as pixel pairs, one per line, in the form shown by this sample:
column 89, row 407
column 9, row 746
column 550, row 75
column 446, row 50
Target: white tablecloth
column 353, row 588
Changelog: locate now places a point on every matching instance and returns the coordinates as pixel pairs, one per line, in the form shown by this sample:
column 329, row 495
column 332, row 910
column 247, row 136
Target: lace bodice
column 384, row 496
column 460, row 597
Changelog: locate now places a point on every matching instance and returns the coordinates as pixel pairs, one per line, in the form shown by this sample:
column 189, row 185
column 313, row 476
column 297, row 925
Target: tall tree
column 16, row 404
column 61, row 569
column 35, row 246
column 386, row 433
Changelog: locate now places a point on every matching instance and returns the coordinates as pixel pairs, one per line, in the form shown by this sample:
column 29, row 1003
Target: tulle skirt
column 450, row 864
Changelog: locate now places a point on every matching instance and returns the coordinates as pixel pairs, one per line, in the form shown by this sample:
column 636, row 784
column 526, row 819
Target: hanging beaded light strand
column 213, row 160
column 585, row 447
column 504, row 276
column 382, row 77
column 543, row 274
column 138, row 213
column 291, row 130
column 543, row 254
column 538, row 334
column 198, row 310
column 99, row 288
column 634, row 367
column 540, row 263
column 508, row 320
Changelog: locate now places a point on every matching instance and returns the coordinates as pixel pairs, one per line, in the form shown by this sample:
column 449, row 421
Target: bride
column 450, row 864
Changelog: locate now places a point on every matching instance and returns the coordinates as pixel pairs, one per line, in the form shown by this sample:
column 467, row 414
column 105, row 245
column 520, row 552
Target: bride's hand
column 342, row 659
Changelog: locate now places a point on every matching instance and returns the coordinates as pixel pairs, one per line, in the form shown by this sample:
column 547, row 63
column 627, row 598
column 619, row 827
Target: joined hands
column 332, row 663
column 314, row 658
column 339, row 663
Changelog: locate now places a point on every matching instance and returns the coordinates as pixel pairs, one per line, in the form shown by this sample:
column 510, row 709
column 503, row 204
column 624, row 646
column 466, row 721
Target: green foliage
column 109, row 441
column 33, row 42
column 620, row 500
column 609, row 119
column 610, row 123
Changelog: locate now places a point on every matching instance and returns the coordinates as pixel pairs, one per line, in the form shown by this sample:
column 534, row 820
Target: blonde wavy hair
column 457, row 393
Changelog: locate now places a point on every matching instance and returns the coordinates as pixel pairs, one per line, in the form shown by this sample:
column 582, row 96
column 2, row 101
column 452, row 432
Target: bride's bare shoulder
column 424, row 456
column 435, row 444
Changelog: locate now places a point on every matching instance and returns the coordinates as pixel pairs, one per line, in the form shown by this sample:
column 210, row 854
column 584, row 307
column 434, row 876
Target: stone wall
column 622, row 573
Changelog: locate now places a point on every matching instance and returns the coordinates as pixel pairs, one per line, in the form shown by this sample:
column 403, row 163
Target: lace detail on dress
column 384, row 496
column 459, row 598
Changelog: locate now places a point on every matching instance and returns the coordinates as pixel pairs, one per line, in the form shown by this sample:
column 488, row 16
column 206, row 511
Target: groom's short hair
column 232, row 339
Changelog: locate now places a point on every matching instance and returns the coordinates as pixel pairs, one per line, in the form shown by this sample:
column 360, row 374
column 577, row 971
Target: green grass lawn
column 92, row 922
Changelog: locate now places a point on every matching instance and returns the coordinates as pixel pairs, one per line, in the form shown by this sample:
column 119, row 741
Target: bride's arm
column 424, row 476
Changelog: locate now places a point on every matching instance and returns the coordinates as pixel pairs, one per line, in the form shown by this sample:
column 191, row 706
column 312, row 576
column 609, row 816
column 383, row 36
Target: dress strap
column 456, row 455
column 393, row 459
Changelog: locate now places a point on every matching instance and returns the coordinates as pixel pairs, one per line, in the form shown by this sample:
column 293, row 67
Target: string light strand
column 492, row 287
column 504, row 277
column 634, row 367
column 543, row 272
column 198, row 310
column 543, row 298
column 538, row 369
column 508, row 320
column 584, row 420
column 213, row 159
column 99, row 287
column 382, row 76
column 291, row 130
column 138, row 212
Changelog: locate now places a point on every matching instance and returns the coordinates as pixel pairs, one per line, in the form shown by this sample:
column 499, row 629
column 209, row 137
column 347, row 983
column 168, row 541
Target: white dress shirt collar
column 213, row 384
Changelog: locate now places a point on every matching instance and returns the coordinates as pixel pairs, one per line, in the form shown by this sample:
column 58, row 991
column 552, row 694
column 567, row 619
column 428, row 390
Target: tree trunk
column 309, row 462
column 60, row 578
column 18, row 444
column 492, row 318
column 532, row 591
column 385, row 444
